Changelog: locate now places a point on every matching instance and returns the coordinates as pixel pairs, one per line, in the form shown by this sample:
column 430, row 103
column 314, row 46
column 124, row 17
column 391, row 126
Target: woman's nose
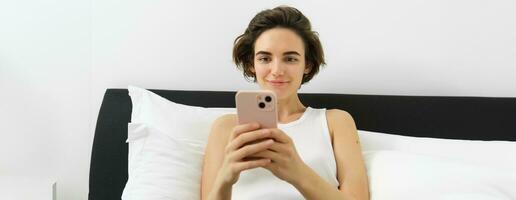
column 277, row 68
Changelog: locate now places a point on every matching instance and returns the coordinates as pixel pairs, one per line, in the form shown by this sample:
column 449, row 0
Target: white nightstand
column 27, row 188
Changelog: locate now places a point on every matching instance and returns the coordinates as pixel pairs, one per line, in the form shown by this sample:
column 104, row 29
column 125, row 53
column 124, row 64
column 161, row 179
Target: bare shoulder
column 341, row 124
column 226, row 120
column 338, row 114
column 339, row 118
column 223, row 125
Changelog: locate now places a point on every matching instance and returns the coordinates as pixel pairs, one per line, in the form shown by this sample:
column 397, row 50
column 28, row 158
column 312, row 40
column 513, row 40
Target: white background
column 58, row 57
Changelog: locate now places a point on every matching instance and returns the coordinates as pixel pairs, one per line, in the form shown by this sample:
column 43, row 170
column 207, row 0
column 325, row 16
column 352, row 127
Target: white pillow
column 162, row 167
column 498, row 154
column 176, row 120
column 400, row 175
column 166, row 147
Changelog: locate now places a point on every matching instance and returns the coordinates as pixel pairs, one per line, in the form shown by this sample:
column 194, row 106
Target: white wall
column 57, row 58
column 45, row 69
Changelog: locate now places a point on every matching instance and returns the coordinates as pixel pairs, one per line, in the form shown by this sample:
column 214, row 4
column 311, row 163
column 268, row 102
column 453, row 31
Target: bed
column 446, row 117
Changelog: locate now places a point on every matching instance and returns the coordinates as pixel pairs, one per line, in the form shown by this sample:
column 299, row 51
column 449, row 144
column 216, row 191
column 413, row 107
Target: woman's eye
column 263, row 59
column 291, row 59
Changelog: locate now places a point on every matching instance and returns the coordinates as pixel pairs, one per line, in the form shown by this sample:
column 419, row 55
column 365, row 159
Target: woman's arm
column 351, row 172
column 312, row 186
column 213, row 157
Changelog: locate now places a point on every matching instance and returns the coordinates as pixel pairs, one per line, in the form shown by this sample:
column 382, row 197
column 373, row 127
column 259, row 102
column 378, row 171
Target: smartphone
column 257, row 106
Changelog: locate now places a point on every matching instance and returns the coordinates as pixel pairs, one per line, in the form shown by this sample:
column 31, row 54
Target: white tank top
column 313, row 144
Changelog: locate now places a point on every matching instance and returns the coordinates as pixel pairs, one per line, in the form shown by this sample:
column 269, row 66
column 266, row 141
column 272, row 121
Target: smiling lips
column 277, row 82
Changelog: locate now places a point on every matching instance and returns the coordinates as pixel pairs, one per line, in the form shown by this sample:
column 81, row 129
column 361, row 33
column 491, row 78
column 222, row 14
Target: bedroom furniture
column 472, row 118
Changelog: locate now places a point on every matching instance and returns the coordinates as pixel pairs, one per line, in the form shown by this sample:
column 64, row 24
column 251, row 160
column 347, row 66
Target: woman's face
column 279, row 61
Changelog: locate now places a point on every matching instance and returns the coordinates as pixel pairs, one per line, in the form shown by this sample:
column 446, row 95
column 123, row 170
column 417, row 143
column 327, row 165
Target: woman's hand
column 286, row 163
column 242, row 143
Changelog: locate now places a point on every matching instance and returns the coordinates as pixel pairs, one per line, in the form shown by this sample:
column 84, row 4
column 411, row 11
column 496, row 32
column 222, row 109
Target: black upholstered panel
column 476, row 118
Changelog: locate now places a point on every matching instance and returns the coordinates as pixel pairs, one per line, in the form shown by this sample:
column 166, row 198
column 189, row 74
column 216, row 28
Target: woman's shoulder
column 221, row 128
column 338, row 117
column 225, row 122
column 226, row 119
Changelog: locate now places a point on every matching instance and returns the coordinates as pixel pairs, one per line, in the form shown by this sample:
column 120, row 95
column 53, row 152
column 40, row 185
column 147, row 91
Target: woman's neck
column 289, row 108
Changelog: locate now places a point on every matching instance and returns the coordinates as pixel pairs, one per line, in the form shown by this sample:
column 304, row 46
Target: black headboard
column 474, row 118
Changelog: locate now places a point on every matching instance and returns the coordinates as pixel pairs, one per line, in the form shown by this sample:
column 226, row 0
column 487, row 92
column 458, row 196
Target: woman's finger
column 241, row 166
column 268, row 154
column 251, row 149
column 246, row 138
column 243, row 128
column 279, row 136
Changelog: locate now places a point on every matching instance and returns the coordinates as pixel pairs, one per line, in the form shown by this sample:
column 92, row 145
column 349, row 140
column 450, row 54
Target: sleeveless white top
column 313, row 144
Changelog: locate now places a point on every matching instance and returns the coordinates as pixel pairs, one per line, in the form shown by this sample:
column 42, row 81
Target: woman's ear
column 308, row 69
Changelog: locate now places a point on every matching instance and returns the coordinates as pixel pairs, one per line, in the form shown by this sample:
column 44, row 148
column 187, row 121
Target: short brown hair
column 284, row 17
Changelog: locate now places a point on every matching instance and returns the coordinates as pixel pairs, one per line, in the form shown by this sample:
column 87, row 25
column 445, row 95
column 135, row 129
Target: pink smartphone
column 257, row 106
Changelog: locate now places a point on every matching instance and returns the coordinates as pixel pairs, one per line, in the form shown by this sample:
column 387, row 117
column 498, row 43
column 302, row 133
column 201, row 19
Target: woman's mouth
column 277, row 83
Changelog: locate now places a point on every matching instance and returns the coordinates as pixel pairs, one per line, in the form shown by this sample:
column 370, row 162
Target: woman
column 313, row 154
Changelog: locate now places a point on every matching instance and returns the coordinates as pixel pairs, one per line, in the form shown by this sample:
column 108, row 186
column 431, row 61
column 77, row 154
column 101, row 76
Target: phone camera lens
column 268, row 99
column 261, row 104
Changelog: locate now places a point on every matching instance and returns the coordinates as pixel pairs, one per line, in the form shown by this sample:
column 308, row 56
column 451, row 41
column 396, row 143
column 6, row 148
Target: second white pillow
column 497, row 154
column 396, row 175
